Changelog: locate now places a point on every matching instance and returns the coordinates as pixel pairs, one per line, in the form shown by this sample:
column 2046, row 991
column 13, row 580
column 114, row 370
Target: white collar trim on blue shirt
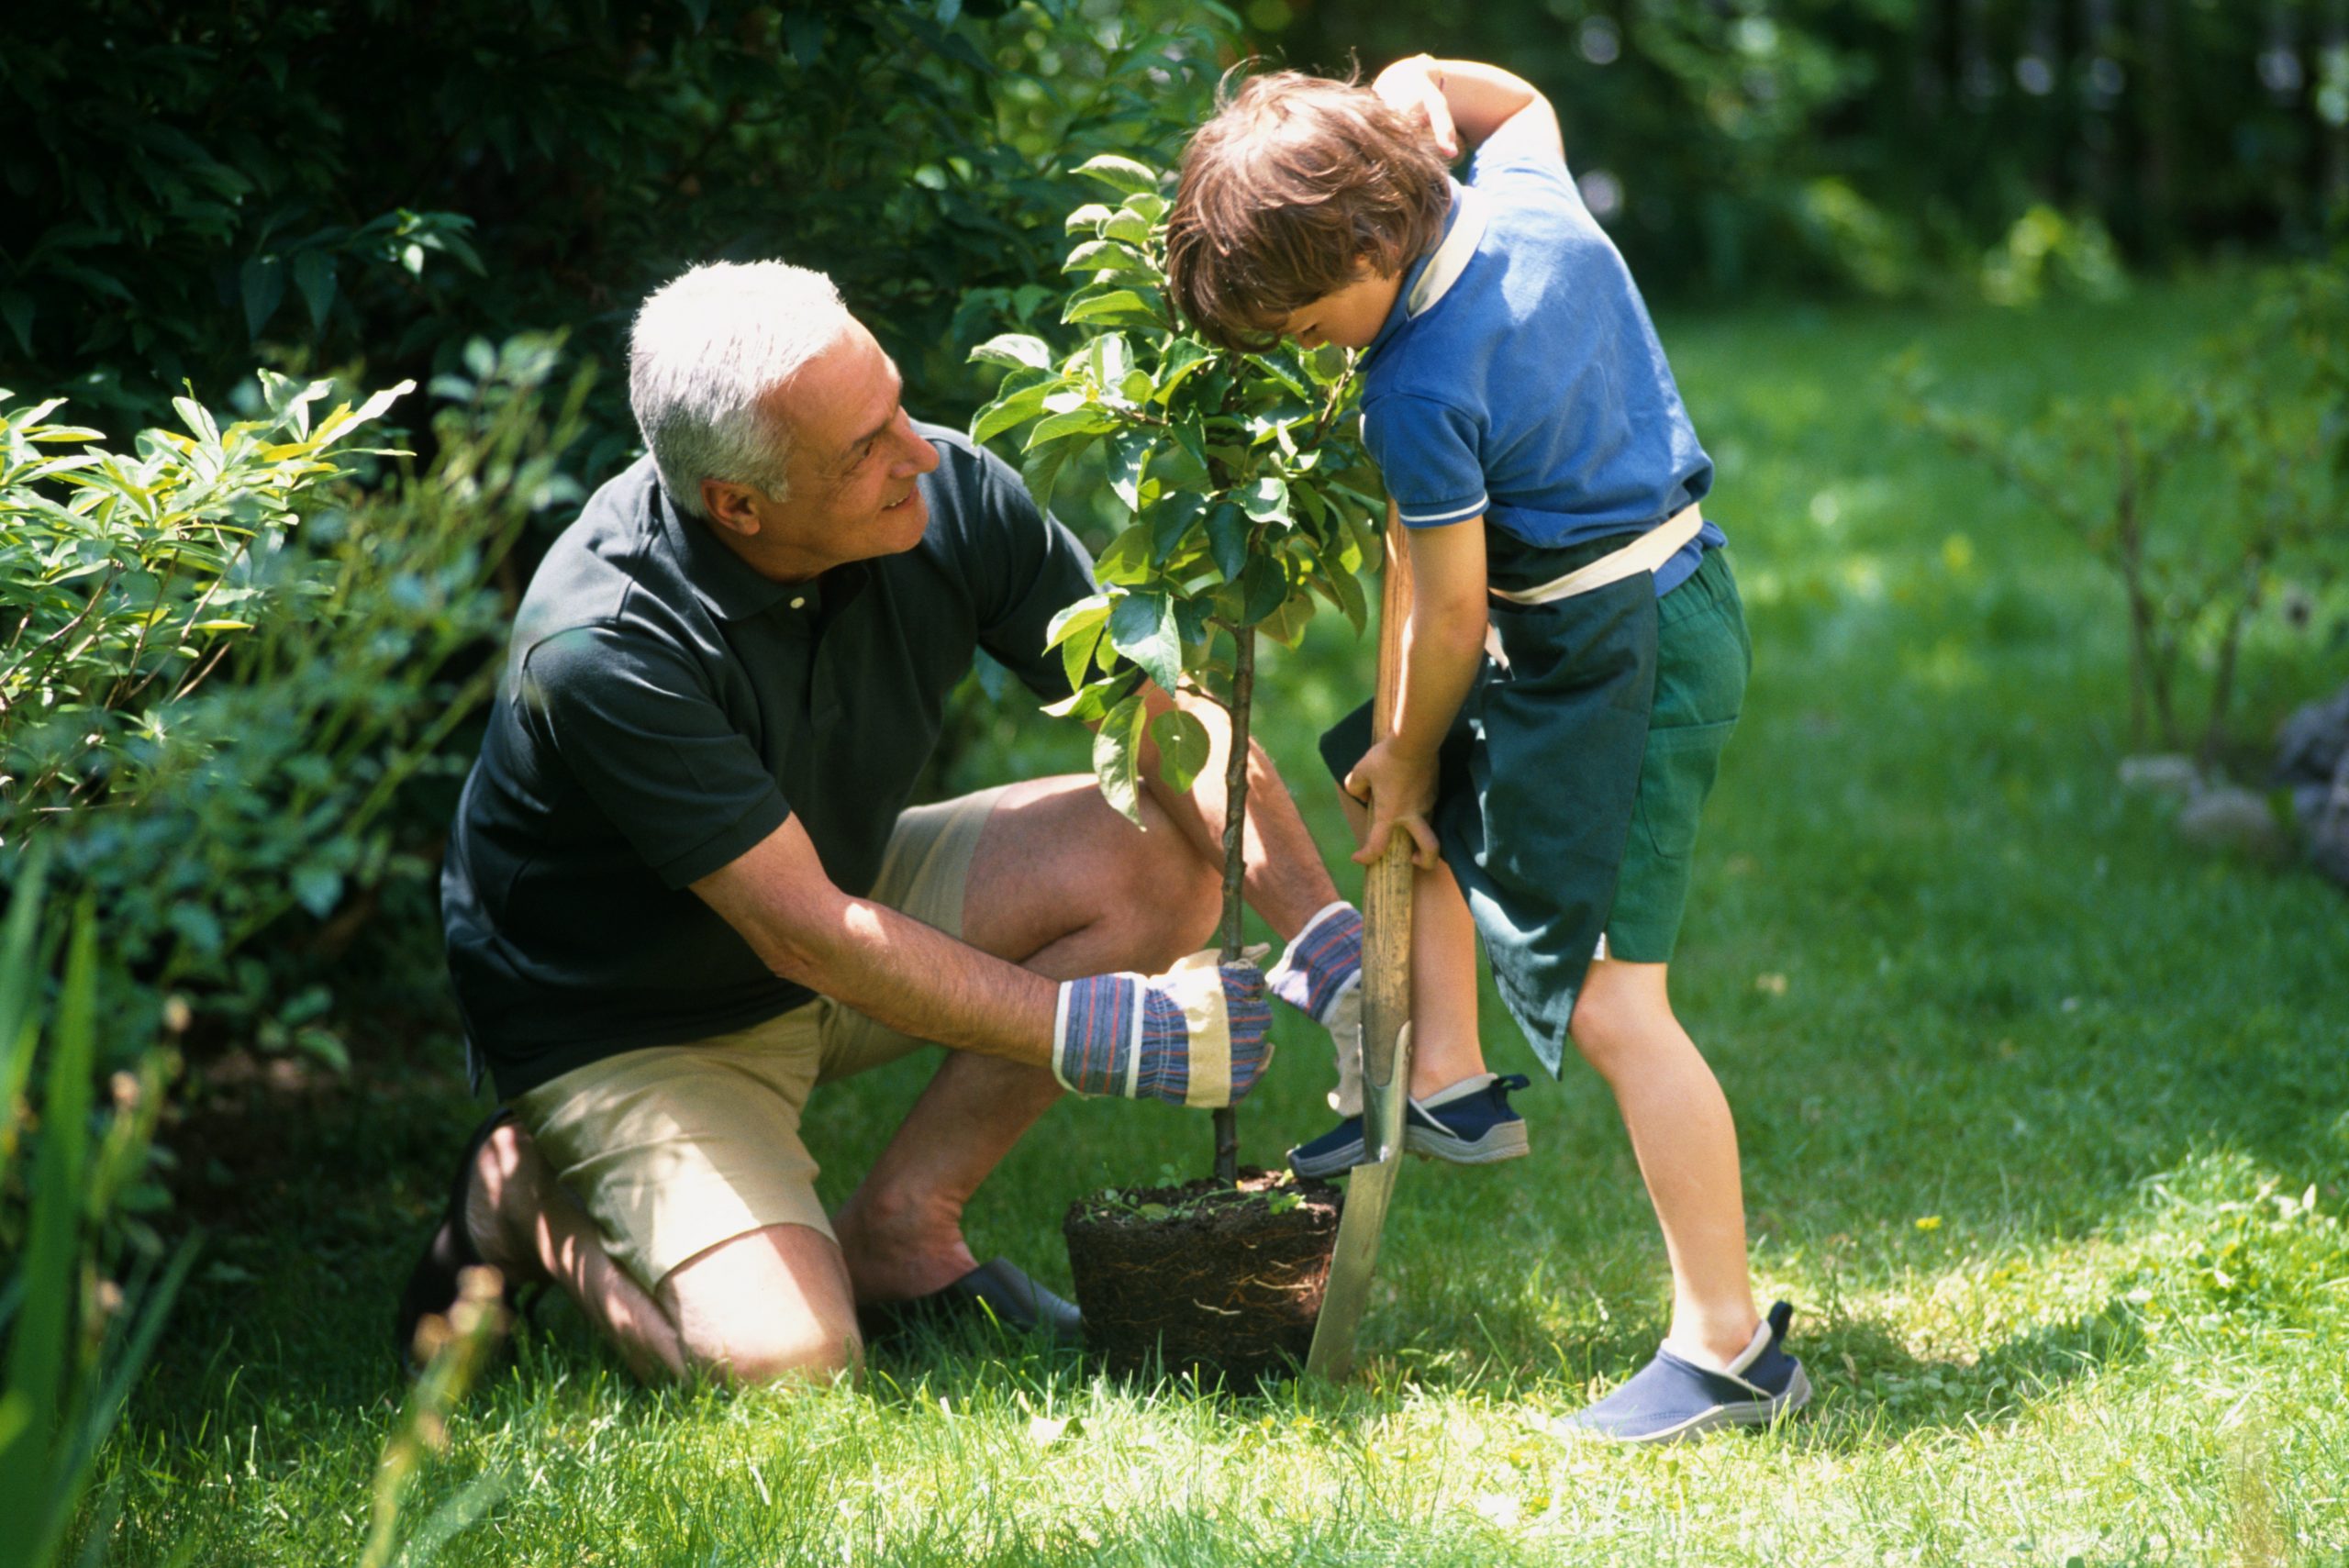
column 1451, row 257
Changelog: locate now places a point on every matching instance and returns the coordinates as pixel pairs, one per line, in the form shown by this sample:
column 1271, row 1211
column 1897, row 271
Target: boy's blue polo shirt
column 1533, row 391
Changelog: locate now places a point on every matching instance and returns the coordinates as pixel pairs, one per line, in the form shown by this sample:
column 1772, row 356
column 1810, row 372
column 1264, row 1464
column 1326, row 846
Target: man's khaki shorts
column 674, row 1149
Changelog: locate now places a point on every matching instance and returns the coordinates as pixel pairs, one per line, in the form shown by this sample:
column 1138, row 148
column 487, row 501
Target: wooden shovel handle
column 1387, row 887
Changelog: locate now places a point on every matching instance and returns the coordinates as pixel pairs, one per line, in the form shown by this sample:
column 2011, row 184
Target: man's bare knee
column 759, row 1358
column 771, row 1306
column 1171, row 895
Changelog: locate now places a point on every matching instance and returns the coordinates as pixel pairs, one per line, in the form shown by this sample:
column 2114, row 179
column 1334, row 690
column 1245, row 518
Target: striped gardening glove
column 1198, row 1035
column 1320, row 976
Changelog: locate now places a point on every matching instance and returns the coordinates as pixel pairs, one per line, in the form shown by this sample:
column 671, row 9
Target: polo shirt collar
column 726, row 584
column 1401, row 312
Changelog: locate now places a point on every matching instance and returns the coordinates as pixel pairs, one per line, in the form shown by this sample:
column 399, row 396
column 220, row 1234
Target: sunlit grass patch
column 2045, row 1128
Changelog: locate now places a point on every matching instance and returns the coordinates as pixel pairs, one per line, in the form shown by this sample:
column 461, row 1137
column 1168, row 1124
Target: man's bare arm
column 888, row 966
column 1286, row 882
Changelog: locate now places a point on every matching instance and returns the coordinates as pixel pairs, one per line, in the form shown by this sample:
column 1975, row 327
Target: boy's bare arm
column 1443, row 646
column 1465, row 103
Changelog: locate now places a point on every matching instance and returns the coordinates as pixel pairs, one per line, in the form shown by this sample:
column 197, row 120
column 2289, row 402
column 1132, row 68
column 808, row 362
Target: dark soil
column 1204, row 1278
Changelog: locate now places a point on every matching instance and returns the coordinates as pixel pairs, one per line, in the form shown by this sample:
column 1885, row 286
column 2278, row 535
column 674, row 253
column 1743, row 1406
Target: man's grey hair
column 707, row 351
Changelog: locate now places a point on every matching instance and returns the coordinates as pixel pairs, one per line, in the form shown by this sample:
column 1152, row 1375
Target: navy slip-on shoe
column 1671, row 1399
column 1478, row 1128
column 997, row 1289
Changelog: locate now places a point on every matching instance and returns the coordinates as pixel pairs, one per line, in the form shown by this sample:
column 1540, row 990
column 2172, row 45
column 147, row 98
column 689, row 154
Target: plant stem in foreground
column 1235, row 863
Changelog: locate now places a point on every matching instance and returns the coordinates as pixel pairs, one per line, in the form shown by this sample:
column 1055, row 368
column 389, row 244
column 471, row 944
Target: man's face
column 852, row 475
column 1349, row 316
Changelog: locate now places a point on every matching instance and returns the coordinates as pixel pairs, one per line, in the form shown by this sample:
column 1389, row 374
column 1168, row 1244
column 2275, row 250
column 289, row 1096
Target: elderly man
column 684, row 889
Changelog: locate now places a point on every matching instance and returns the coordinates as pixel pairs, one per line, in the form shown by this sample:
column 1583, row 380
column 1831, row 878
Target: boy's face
column 1350, row 316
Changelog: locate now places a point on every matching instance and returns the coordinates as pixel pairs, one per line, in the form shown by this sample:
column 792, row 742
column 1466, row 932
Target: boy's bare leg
column 1687, row 1145
column 1445, row 1047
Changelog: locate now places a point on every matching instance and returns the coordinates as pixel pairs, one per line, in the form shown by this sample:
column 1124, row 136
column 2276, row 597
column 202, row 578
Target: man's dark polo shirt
column 664, row 707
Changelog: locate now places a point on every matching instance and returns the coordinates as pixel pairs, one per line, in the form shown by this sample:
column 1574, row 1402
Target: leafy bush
column 2215, row 497
column 233, row 185
column 229, row 666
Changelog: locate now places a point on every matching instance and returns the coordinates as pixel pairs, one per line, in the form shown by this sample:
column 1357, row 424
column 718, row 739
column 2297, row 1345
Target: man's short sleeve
column 1029, row 569
column 1427, row 454
column 648, row 744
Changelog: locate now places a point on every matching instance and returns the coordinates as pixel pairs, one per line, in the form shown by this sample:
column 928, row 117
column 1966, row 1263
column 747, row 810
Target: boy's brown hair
column 1295, row 183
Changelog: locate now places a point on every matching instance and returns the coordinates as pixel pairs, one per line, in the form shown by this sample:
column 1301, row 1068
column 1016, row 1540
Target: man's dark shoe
column 1671, row 1399
column 996, row 1290
column 432, row 1284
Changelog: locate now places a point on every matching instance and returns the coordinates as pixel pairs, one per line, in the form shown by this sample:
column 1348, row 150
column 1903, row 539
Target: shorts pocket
column 1675, row 780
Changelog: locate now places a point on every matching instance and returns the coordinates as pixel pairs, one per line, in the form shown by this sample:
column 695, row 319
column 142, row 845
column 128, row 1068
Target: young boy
column 1533, row 440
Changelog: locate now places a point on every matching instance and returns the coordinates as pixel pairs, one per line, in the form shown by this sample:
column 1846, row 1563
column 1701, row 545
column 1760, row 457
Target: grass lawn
column 2045, row 1123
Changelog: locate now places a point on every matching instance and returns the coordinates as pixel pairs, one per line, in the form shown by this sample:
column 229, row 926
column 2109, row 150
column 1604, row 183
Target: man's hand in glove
column 1197, row 1034
column 1320, row 976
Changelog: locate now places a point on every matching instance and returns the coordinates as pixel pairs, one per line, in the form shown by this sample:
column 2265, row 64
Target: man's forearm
column 1286, row 881
column 888, row 966
column 918, row 980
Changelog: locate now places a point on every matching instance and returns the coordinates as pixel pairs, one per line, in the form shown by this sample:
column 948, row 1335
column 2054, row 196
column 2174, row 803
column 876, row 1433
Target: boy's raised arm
column 1466, row 102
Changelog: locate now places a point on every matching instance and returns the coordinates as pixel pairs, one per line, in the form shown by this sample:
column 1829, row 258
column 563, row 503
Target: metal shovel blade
column 1360, row 1224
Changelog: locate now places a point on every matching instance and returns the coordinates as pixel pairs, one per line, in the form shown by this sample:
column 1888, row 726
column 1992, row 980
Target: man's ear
column 731, row 506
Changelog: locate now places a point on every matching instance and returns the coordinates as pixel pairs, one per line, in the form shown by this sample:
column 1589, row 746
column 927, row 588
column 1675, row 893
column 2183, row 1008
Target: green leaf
column 1088, row 704
column 1087, row 218
column 263, row 280
column 1117, row 757
column 1039, row 470
column 1182, row 357
column 1263, row 586
column 1118, row 307
column 1077, row 631
column 1228, row 530
column 1111, row 356
column 1015, row 348
column 1107, row 256
column 1010, row 409
column 1142, row 627
column 1170, row 523
column 1267, row 501
column 1287, row 626
column 1129, row 456
column 16, row 310
column 1129, row 227
column 1121, row 174
column 1076, row 422
column 1183, row 747
column 1127, row 561
column 313, row 275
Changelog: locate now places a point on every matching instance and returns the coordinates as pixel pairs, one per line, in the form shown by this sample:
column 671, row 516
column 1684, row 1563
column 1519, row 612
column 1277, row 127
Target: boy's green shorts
column 1703, row 657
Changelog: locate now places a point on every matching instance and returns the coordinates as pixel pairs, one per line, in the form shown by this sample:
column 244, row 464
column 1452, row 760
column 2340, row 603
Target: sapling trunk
column 1235, row 861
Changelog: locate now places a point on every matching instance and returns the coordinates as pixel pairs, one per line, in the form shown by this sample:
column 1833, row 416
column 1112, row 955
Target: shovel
column 1385, row 1020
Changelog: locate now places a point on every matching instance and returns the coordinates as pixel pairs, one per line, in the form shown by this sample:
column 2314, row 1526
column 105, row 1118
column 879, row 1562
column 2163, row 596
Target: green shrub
column 2214, row 495
column 75, row 1339
column 199, row 189
column 231, row 665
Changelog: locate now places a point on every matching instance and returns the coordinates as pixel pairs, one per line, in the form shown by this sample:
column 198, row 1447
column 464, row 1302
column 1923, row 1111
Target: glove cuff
column 1317, row 968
